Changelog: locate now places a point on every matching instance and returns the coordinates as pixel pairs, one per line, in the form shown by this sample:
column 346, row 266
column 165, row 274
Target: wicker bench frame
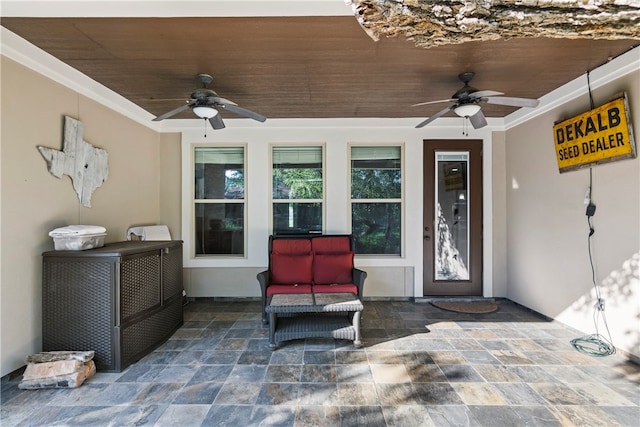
column 308, row 315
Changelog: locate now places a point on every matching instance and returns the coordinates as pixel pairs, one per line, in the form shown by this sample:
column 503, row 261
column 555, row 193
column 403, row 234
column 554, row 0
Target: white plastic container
column 78, row 237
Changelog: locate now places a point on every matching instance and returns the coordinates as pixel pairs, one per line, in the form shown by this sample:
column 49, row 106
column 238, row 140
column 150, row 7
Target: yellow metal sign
column 600, row 135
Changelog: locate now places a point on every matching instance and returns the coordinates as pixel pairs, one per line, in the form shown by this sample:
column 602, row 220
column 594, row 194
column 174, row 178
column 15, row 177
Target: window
column 376, row 199
column 219, row 200
column 297, row 194
column 452, row 213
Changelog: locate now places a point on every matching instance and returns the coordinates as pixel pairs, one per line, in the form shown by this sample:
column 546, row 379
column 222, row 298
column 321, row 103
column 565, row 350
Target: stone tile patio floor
column 419, row 366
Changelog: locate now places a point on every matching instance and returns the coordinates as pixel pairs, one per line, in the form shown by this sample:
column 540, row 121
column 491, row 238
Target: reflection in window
column 452, row 232
column 297, row 190
column 376, row 199
column 219, row 200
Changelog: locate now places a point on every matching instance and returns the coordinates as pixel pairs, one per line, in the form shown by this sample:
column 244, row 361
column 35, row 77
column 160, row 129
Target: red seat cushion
column 329, row 269
column 345, row 287
column 288, row 289
column 291, row 246
column 291, row 269
column 330, row 244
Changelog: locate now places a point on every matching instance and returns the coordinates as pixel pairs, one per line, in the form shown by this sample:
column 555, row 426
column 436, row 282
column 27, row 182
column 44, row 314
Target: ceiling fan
column 467, row 102
column 205, row 103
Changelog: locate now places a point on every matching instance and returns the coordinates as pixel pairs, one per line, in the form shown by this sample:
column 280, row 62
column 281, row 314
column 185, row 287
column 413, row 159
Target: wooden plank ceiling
column 296, row 67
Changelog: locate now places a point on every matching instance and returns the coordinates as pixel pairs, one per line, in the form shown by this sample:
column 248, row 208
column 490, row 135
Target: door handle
column 427, row 237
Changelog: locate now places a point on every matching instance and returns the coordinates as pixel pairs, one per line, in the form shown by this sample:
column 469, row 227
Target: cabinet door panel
column 139, row 338
column 77, row 306
column 172, row 272
column 139, row 285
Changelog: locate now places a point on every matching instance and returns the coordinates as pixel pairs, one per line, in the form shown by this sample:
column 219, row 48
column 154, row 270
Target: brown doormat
column 471, row 307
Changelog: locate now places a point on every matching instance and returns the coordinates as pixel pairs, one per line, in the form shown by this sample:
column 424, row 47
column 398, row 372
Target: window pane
column 297, row 218
column 219, row 173
column 219, row 228
column 452, row 211
column 376, row 227
column 297, row 172
column 376, row 173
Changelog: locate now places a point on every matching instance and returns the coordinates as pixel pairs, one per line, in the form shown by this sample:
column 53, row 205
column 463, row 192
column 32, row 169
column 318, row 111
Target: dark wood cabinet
column 121, row 300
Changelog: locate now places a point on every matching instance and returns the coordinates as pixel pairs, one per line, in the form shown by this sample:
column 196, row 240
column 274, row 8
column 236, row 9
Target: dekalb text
column 582, row 128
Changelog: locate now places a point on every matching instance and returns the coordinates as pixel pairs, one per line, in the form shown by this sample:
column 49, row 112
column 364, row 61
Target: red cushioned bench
column 310, row 264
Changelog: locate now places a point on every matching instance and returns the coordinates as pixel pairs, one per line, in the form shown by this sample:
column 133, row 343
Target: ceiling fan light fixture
column 204, row 111
column 467, row 110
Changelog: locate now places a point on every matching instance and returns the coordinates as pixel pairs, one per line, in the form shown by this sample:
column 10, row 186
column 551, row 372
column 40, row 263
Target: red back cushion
column 291, row 269
column 333, row 268
column 330, row 244
column 291, row 246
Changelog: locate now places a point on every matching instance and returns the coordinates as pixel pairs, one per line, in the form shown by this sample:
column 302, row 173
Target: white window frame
column 400, row 200
column 191, row 250
column 322, row 201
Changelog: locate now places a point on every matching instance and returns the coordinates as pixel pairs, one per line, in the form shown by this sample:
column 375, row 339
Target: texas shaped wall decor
column 86, row 165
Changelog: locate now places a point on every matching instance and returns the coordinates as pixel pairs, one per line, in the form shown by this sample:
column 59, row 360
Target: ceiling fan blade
column 434, row 102
column 435, row 116
column 158, row 99
column 478, row 120
column 173, row 112
column 483, row 93
column 243, row 112
column 216, row 122
column 513, row 102
column 218, row 100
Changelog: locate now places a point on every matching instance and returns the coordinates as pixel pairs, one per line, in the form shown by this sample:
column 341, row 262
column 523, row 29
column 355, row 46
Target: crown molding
column 612, row 70
column 18, row 49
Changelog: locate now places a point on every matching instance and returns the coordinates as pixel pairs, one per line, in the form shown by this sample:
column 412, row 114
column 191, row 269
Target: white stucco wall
column 34, row 202
column 547, row 243
column 387, row 273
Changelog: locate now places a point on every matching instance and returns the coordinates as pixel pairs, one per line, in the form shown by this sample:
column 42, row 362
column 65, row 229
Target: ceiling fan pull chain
column 205, row 127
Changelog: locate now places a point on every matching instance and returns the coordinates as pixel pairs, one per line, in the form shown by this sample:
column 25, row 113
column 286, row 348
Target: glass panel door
column 452, row 249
